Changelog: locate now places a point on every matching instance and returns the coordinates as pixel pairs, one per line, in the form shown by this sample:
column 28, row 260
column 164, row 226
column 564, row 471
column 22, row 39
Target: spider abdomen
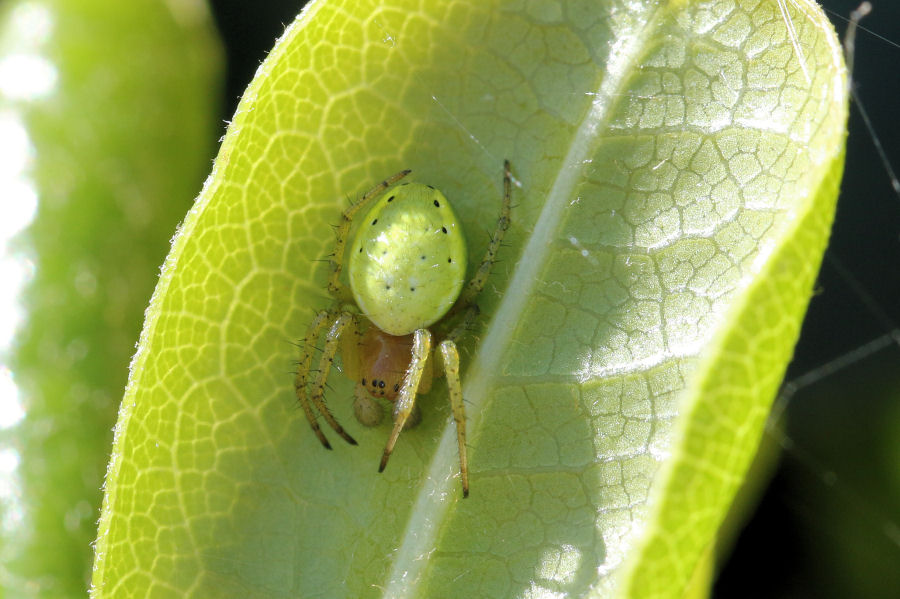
column 407, row 263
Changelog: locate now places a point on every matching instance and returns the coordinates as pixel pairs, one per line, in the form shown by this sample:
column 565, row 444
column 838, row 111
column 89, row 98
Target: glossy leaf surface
column 677, row 166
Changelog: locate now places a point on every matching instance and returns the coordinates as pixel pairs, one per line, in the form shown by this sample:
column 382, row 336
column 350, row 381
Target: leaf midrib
column 439, row 489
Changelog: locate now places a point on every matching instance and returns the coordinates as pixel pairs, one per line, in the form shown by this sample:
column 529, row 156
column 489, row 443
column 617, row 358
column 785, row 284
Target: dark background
column 828, row 525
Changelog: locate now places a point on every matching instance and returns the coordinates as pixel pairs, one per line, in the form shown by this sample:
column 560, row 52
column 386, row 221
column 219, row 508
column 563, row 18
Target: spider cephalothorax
column 406, row 266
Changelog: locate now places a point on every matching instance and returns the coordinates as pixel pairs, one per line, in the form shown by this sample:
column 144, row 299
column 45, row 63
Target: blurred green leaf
column 678, row 165
column 118, row 102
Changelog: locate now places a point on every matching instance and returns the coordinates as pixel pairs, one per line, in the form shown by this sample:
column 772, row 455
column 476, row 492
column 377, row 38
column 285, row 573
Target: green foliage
column 117, row 146
column 678, row 165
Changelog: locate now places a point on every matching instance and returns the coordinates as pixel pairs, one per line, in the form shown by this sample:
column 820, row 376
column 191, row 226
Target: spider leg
column 451, row 370
column 476, row 284
column 466, row 304
column 335, row 287
column 332, row 339
column 407, row 398
column 303, row 365
column 464, row 324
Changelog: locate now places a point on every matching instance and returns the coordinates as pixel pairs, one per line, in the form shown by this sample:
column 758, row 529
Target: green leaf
column 107, row 112
column 677, row 166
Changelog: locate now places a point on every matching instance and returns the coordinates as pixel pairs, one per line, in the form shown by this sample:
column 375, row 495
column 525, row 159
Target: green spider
column 406, row 267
